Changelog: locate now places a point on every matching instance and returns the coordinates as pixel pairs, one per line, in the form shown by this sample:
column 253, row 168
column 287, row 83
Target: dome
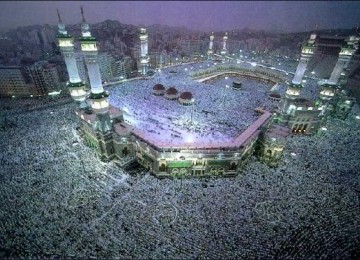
column 186, row 98
column 159, row 87
column 186, row 95
column 171, row 91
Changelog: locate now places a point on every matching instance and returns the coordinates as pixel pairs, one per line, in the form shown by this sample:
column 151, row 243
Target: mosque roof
column 186, row 95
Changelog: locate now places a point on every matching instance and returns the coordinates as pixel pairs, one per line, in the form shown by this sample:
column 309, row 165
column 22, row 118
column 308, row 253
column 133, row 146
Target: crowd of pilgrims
column 59, row 200
column 219, row 113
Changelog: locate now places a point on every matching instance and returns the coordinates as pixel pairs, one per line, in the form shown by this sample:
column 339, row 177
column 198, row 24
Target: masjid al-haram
column 221, row 157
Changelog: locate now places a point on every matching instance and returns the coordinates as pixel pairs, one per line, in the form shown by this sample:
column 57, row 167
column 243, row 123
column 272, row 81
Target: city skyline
column 204, row 16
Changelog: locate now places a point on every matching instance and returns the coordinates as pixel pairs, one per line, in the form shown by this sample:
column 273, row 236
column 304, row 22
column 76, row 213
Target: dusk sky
column 198, row 15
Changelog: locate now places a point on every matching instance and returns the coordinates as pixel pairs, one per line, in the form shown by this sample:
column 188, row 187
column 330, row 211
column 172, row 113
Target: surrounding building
column 44, row 77
column 12, row 82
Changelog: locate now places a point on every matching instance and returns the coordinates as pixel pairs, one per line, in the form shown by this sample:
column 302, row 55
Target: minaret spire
column 57, row 10
column 82, row 14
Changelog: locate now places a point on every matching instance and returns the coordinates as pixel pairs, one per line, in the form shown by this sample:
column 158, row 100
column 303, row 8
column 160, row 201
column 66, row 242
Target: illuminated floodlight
column 357, row 117
column 293, row 154
column 31, row 95
column 13, row 96
column 185, row 69
column 226, row 77
column 324, row 128
column 215, row 63
column 189, row 139
column 253, row 64
column 313, row 72
column 125, row 109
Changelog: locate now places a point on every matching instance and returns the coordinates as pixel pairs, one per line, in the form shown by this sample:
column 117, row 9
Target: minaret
column 292, row 93
column 66, row 44
column 294, row 88
column 307, row 51
column 224, row 50
column 144, row 60
column 210, row 51
column 98, row 96
column 345, row 55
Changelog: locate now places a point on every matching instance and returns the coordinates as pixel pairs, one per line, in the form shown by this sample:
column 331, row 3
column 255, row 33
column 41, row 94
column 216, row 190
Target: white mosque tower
column 224, row 50
column 144, row 59
column 345, row 55
column 307, row 51
column 293, row 89
column 98, row 96
column 210, row 51
column 66, row 44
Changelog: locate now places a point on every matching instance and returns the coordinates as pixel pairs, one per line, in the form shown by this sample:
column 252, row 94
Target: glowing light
column 253, row 64
column 313, row 72
column 357, row 117
column 304, row 81
column 324, row 128
column 226, row 77
column 189, row 139
column 185, row 69
column 293, row 154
